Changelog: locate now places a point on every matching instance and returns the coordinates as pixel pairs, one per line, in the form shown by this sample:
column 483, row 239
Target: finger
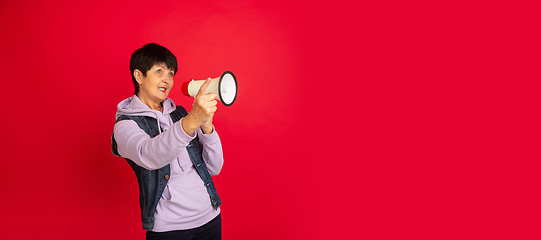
column 212, row 106
column 204, row 87
column 212, row 110
column 212, row 95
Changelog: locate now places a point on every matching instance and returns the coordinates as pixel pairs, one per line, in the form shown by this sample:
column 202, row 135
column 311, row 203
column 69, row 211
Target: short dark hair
column 149, row 55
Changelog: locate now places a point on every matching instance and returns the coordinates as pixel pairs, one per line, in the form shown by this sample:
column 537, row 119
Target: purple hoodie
column 185, row 203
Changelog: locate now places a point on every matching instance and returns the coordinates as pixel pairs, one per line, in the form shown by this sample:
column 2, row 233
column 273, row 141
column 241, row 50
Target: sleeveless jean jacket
column 152, row 182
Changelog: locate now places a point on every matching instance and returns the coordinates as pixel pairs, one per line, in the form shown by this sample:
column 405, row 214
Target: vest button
column 167, row 177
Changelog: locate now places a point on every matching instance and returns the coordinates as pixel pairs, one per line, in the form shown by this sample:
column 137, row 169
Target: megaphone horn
column 225, row 87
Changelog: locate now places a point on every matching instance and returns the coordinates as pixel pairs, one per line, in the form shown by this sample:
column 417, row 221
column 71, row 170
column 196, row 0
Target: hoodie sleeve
column 212, row 151
column 150, row 153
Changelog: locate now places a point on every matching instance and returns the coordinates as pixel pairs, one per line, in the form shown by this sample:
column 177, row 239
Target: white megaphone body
column 225, row 87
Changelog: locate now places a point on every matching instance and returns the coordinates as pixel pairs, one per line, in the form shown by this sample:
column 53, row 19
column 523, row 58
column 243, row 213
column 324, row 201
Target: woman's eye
column 171, row 74
column 159, row 71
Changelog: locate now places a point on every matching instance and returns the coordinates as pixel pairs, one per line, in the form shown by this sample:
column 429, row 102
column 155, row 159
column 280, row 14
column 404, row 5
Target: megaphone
column 225, row 87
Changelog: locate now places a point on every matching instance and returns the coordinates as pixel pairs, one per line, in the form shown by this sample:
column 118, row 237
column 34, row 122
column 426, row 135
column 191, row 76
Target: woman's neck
column 158, row 106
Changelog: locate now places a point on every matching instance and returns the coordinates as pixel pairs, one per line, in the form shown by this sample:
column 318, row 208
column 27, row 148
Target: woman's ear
column 138, row 75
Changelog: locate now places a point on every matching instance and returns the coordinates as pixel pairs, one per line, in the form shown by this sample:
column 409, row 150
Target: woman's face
column 156, row 85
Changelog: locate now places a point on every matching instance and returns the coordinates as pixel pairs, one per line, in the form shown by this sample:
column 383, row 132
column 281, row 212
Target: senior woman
column 172, row 152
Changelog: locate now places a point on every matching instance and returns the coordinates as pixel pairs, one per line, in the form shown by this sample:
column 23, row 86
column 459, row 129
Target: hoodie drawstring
column 159, row 126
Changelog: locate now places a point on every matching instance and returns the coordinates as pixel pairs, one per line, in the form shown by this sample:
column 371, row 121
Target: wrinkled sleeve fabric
column 150, row 153
column 212, row 151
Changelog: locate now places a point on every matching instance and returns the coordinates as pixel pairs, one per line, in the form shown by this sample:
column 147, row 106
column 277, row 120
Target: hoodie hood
column 133, row 106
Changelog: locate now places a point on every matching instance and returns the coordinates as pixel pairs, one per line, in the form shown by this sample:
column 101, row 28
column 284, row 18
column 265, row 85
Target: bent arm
column 147, row 152
column 212, row 151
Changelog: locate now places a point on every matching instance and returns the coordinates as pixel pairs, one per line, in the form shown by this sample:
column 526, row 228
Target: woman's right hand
column 203, row 109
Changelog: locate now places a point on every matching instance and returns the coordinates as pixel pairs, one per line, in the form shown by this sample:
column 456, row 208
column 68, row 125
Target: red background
column 386, row 120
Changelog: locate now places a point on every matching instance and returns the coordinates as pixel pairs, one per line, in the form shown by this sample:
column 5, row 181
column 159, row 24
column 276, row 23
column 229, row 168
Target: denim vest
column 152, row 182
